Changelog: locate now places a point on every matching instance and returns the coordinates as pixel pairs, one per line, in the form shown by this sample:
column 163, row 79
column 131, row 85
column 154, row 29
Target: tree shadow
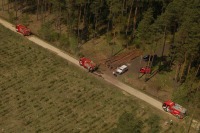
column 118, row 51
column 30, row 9
column 164, row 66
column 163, row 63
column 141, row 76
column 152, row 75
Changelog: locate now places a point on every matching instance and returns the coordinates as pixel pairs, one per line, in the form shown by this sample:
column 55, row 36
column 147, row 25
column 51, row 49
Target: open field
column 43, row 93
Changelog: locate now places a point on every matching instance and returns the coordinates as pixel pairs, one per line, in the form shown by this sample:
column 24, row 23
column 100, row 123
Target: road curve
column 157, row 104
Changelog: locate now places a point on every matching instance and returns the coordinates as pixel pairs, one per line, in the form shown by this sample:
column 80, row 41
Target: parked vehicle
column 149, row 57
column 145, row 70
column 175, row 109
column 88, row 64
column 23, row 30
column 122, row 69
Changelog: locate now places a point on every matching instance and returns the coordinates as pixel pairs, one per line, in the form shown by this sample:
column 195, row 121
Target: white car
column 122, row 69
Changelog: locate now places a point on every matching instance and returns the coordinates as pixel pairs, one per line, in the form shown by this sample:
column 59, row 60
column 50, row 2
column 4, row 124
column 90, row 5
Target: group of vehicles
column 86, row 62
column 169, row 106
column 91, row 66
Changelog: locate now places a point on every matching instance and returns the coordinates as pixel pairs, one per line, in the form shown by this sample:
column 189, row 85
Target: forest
column 143, row 24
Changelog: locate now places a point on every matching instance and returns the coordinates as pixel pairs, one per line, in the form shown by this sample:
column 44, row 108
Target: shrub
column 47, row 32
column 128, row 123
column 64, row 41
column 25, row 19
column 153, row 122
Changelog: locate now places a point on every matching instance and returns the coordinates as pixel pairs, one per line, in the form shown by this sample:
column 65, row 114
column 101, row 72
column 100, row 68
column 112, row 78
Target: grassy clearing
column 44, row 93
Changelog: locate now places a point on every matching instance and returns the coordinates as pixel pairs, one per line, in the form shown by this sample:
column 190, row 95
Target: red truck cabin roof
column 23, row 27
column 175, row 106
column 169, row 103
column 87, row 61
column 84, row 59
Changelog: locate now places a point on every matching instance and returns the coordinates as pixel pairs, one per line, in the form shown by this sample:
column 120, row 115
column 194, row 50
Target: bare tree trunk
column 95, row 23
column 49, row 7
column 197, row 70
column 152, row 59
column 42, row 11
column 189, row 67
column 38, row 2
column 95, row 27
column 172, row 45
column 2, row 5
column 8, row 6
column 135, row 19
column 114, row 29
column 108, row 26
column 129, row 17
column 177, row 72
column 13, row 5
column 84, row 14
column 45, row 9
column 164, row 42
column 79, row 19
column 124, row 1
column 183, row 67
column 16, row 8
column 149, row 60
column 60, row 18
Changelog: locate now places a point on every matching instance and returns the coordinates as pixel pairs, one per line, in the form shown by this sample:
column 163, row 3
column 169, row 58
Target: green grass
column 41, row 92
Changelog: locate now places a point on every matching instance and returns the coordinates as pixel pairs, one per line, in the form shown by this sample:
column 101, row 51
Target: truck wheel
column 165, row 108
column 90, row 69
column 80, row 63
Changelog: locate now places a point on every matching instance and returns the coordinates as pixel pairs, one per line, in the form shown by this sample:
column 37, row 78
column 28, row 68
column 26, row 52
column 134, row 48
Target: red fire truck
column 23, row 30
column 174, row 108
column 145, row 70
column 88, row 64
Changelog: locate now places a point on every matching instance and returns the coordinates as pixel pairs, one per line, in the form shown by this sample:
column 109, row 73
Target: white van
column 122, row 69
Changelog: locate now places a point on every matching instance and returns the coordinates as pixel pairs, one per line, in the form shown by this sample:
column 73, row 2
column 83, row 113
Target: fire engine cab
column 145, row 70
column 23, row 30
column 88, row 64
column 175, row 109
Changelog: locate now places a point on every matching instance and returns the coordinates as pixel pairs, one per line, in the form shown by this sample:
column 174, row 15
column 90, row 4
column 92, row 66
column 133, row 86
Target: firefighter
column 171, row 122
column 114, row 73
